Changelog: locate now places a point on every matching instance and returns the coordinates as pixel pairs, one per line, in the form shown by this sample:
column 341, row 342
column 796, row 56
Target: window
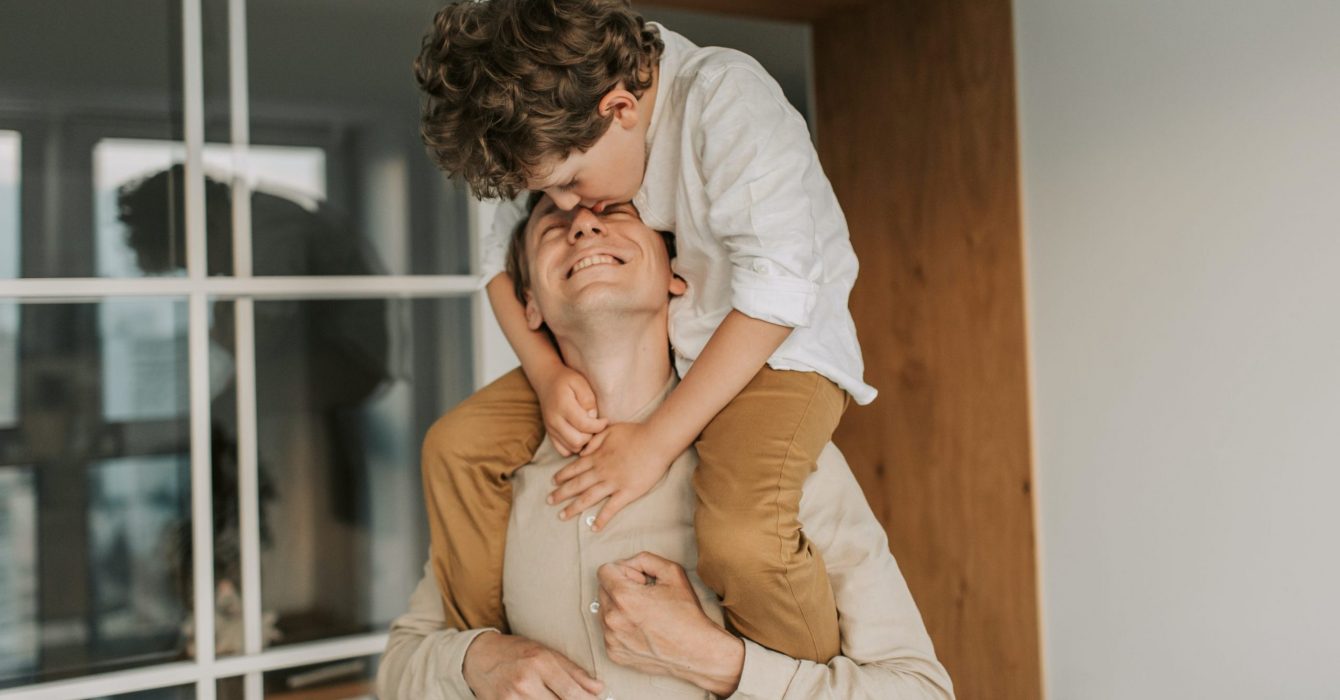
column 229, row 445
column 9, row 268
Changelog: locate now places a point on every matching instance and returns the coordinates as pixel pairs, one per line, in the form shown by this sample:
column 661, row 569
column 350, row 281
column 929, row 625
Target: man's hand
column 654, row 623
column 505, row 667
column 621, row 463
column 569, row 409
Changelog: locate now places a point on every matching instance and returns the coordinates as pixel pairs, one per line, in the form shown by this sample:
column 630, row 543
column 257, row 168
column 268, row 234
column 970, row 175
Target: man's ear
column 533, row 318
column 677, row 285
column 622, row 105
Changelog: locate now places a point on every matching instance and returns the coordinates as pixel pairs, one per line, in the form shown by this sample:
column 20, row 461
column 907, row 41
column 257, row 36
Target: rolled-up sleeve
column 495, row 241
column 424, row 659
column 754, row 163
column 886, row 652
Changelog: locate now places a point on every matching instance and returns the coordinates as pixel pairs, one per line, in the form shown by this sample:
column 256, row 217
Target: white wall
column 1181, row 169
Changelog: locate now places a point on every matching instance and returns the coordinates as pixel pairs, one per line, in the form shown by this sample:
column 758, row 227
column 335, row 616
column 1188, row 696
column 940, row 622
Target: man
column 616, row 605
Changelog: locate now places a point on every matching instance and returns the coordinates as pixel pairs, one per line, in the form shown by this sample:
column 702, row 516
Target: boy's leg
column 753, row 458
column 469, row 456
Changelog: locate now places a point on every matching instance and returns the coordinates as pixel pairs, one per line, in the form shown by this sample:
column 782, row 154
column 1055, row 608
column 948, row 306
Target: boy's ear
column 622, row 105
column 533, row 318
column 677, row 285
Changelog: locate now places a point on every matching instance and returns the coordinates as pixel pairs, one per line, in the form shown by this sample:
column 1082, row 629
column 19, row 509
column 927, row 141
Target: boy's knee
column 733, row 549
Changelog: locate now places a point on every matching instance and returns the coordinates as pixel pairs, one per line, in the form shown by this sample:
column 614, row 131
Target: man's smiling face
column 583, row 265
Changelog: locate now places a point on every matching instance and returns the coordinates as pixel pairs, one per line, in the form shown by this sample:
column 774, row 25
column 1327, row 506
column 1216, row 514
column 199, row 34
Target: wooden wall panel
column 793, row 11
column 916, row 122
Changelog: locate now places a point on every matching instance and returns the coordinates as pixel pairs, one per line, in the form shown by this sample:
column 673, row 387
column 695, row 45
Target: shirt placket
column 588, row 556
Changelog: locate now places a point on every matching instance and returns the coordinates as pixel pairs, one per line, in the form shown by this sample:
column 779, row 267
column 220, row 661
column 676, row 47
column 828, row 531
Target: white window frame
column 491, row 353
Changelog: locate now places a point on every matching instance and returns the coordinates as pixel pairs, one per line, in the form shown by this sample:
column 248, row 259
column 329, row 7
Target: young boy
column 585, row 101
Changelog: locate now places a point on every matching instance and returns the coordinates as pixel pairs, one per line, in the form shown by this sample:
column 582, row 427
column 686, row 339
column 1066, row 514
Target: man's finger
column 612, row 574
column 574, row 468
column 573, row 486
column 575, row 682
column 588, row 498
column 611, row 508
column 653, row 565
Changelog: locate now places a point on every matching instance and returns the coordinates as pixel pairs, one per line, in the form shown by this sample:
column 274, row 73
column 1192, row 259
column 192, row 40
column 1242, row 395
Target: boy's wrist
column 665, row 438
column 541, row 370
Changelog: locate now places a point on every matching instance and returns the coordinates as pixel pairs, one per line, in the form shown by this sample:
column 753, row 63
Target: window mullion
column 248, row 458
column 202, row 510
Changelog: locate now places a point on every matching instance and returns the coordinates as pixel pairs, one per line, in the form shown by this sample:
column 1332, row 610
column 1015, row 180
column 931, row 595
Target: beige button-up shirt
column 550, row 593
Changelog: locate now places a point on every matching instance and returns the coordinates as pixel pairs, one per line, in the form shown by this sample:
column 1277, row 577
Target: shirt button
column 590, row 520
column 595, row 606
column 762, row 267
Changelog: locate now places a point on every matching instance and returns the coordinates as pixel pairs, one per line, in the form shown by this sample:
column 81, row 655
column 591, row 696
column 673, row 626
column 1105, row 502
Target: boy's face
column 607, row 173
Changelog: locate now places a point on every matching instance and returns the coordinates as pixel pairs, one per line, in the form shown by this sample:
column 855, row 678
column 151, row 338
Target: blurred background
column 96, row 555
column 1099, row 294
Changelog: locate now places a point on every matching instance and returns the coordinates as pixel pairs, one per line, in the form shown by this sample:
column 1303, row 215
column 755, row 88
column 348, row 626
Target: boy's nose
column 567, row 201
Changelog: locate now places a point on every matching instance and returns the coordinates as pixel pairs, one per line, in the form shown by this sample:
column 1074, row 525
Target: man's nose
column 584, row 223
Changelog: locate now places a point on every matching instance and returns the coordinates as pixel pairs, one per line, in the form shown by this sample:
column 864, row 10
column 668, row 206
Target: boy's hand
column 621, row 463
column 569, row 409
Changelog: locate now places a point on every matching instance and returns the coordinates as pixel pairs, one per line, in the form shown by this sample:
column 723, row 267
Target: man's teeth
column 593, row 260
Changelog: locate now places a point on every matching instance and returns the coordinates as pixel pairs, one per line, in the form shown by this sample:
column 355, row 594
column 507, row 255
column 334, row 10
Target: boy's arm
column 626, row 460
column 566, row 398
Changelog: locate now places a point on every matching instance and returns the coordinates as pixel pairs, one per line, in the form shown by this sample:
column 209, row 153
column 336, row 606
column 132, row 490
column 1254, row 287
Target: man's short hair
column 516, row 250
column 510, row 83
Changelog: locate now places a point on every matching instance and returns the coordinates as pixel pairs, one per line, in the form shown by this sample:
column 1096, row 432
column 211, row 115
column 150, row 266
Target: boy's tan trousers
column 753, row 458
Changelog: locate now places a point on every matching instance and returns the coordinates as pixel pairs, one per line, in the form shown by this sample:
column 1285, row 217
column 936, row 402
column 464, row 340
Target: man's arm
column 653, row 623
column 886, row 652
column 426, row 660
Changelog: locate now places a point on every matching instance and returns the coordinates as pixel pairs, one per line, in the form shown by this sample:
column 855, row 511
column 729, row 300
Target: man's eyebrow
column 546, row 207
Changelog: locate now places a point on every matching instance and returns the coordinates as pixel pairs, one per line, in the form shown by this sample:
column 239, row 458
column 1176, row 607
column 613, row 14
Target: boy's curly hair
column 512, row 82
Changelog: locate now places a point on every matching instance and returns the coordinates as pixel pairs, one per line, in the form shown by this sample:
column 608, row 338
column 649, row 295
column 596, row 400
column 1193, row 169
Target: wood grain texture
column 801, row 11
column 917, row 132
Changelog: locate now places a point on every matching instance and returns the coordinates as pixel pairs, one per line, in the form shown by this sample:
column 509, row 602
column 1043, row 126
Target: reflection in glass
column 347, row 679
column 9, row 204
column 343, row 405
column 123, row 81
column 340, row 80
column 94, row 497
column 181, row 692
column 18, row 577
column 140, row 209
column 9, row 268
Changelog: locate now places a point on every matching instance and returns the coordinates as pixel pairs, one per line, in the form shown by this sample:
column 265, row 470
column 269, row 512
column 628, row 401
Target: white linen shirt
column 731, row 171
column 550, row 595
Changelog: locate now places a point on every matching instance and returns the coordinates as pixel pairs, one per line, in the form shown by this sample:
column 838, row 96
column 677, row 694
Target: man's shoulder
column 832, row 487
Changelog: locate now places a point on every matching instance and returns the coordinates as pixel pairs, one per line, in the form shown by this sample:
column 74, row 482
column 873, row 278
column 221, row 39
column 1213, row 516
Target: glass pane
column 336, row 78
column 9, row 204
column 94, row 490
column 181, row 692
column 141, row 202
column 124, row 81
column 349, row 679
column 346, row 390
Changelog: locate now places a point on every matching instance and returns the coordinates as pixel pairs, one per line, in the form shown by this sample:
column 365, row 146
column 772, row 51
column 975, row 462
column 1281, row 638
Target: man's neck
column 626, row 367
